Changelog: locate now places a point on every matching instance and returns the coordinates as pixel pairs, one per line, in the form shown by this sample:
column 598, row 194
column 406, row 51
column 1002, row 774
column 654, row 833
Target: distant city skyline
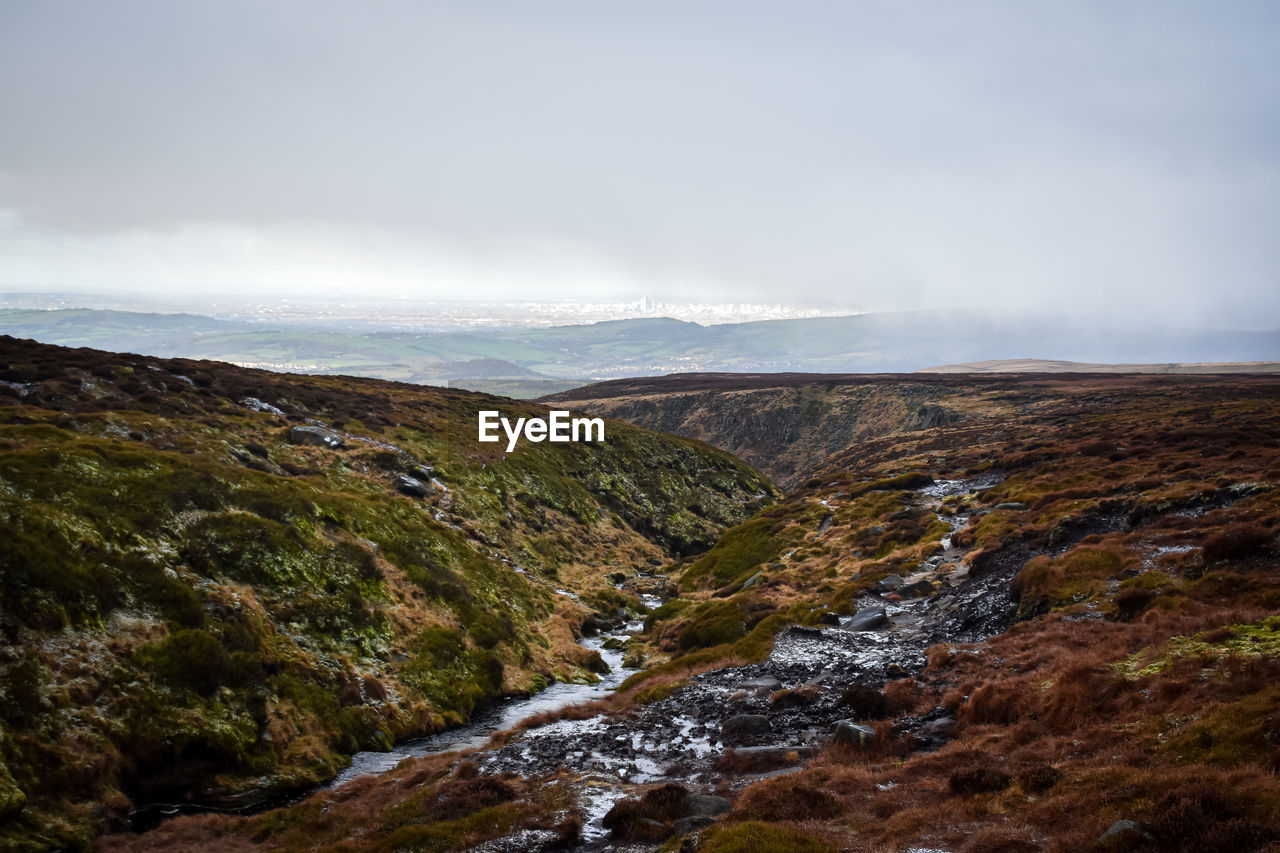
column 406, row 313
column 1071, row 155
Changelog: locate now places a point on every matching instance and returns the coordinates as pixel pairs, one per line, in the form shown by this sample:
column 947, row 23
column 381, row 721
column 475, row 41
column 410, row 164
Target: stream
column 505, row 715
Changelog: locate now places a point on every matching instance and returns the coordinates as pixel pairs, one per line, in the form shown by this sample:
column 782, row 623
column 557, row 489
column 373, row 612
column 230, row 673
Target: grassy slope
column 193, row 606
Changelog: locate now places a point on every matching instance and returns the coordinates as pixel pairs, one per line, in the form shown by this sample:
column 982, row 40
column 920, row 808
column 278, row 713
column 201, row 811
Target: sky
column 1115, row 158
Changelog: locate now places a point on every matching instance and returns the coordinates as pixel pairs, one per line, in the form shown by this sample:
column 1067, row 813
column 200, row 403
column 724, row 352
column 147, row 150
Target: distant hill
column 866, row 343
column 1039, row 365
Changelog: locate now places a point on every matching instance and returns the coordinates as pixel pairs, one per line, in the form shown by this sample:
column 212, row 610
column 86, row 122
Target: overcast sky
column 1119, row 157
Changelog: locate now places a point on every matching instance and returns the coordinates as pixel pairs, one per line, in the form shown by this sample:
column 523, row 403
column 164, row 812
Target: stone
column 742, row 726
column 943, row 728
column 760, row 686
column 869, row 619
column 753, row 580
column 412, row 487
column 758, row 759
column 706, row 805
column 1011, row 506
column 849, row 733
column 316, row 436
column 692, row 823
column 828, row 618
column 919, row 589
column 1122, row 830
column 889, row 583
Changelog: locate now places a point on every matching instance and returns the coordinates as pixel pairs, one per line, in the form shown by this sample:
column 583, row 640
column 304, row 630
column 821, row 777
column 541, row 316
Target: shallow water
column 503, row 716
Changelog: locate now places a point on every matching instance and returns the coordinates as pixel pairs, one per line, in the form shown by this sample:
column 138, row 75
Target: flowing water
column 505, row 715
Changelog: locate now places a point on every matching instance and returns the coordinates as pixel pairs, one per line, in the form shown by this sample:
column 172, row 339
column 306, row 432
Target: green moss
column 1249, row 641
column 455, row 677
column 755, row 646
column 1077, row 576
column 655, row 693
column 760, row 837
column 714, row 625
column 739, row 553
column 192, row 659
column 665, row 611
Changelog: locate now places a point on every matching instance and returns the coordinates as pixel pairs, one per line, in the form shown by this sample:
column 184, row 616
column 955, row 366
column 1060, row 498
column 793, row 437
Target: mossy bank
column 215, row 582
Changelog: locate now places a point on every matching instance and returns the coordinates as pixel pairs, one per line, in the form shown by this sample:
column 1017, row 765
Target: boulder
column 919, row 589
column 760, row 686
column 828, row 618
column 1122, row 831
column 943, row 728
column 315, row 436
column 889, row 583
column 869, row 619
column 800, row 697
column 760, row 759
column 707, row 805
column 849, row 733
column 742, row 726
column 412, row 487
column 692, row 823
column 1011, row 506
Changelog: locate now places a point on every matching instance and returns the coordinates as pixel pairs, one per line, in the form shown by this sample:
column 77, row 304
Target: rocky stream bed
column 684, row 737
column 687, row 737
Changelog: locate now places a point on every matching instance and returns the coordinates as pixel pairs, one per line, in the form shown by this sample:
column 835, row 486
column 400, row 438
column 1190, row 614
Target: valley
column 989, row 613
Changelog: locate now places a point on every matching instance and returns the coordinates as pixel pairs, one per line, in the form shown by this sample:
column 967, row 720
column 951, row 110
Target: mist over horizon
column 1071, row 159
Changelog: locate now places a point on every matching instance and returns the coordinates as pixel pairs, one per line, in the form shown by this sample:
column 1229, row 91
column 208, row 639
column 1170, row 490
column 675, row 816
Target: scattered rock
column 414, row 488
column 919, row 589
column 869, row 619
column 316, row 436
column 849, row 733
column 706, row 805
column 889, row 584
column 692, row 823
column 742, row 726
column 800, row 697
column 1012, row 506
column 1122, row 830
column 753, row 580
column 943, row 728
column 760, row 686
column 757, row 759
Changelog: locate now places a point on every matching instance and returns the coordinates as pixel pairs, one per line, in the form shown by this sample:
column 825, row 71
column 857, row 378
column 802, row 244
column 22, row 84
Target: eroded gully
column 684, row 737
